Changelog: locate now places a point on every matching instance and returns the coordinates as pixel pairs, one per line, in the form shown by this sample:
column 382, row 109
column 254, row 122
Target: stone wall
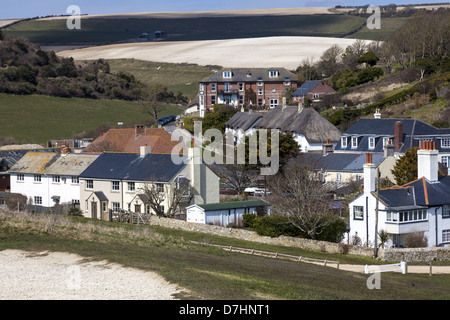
column 408, row 254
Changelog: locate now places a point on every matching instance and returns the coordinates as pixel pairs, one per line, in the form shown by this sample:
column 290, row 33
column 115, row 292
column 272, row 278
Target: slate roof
column 34, row 162
column 305, row 88
column 72, row 164
column 346, row 162
column 256, row 74
column 413, row 130
column 308, row 122
column 418, row 193
column 133, row 167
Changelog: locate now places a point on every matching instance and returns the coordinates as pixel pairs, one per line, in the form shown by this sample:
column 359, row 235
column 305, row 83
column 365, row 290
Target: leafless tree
column 151, row 100
column 168, row 199
column 296, row 194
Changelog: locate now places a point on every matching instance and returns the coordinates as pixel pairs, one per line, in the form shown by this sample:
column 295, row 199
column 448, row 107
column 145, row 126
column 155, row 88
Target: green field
column 37, row 119
column 102, row 31
column 182, row 78
column 208, row 272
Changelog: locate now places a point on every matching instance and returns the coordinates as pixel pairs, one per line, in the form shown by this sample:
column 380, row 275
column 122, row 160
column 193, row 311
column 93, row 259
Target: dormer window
column 344, row 142
column 273, row 73
column 371, row 143
column 354, row 142
column 227, row 74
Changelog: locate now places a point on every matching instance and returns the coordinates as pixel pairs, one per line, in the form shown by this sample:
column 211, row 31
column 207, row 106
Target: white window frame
column 75, row 180
column 201, row 87
column 260, row 91
column 338, row 177
column 446, row 235
column 116, row 206
column 344, row 141
column 445, row 160
column 213, row 87
column 354, row 145
column 131, row 186
column 213, row 99
column 445, row 143
column 20, row 177
column 226, row 74
column 358, row 213
column 37, row 200
column 227, row 87
column 89, row 184
column 273, row 73
column 371, row 142
column 446, row 211
column 273, row 103
column 241, row 86
column 56, row 179
column 115, row 185
column 37, row 178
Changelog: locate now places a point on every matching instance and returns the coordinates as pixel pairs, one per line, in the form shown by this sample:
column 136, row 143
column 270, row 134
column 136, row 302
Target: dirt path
column 62, row 276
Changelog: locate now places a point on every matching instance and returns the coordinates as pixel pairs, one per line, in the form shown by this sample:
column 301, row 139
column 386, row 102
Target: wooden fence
column 273, row 254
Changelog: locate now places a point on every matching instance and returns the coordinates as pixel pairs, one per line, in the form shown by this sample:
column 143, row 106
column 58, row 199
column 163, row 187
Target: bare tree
column 151, row 100
column 296, row 194
column 168, row 199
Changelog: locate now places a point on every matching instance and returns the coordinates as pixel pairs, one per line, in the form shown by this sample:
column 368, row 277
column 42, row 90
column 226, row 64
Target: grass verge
column 207, row 272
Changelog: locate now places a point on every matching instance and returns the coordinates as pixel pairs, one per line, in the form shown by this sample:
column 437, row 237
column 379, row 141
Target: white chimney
column 377, row 114
column 145, row 150
column 369, row 174
column 195, row 161
column 427, row 161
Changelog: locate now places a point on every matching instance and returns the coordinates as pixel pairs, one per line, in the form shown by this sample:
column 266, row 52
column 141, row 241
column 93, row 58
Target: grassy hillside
column 208, row 272
column 37, row 119
column 182, row 78
column 101, row 31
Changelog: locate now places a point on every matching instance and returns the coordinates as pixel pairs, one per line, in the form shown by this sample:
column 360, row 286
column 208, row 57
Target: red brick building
column 261, row 87
column 313, row 90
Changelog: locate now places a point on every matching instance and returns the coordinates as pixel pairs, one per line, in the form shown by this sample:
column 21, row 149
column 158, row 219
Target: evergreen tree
column 405, row 169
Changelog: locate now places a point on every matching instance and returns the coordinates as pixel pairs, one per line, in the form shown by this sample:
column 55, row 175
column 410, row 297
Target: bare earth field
column 265, row 52
column 63, row 276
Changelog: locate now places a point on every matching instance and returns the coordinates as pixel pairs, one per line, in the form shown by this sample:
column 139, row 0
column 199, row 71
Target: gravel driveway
column 62, row 276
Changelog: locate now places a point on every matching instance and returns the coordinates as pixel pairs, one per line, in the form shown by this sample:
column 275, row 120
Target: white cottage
column 421, row 206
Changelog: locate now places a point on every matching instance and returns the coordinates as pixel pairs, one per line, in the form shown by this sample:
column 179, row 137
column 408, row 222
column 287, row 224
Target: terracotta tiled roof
column 128, row 140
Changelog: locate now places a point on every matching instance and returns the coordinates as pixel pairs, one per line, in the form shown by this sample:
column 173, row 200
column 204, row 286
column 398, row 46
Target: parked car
column 257, row 192
column 165, row 120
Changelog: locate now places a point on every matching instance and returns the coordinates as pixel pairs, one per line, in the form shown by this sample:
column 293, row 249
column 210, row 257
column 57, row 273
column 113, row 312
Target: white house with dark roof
column 49, row 178
column 421, row 206
column 373, row 134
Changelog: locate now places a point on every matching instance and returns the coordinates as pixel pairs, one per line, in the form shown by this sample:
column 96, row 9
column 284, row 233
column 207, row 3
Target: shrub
column 275, row 226
column 334, row 230
column 416, row 240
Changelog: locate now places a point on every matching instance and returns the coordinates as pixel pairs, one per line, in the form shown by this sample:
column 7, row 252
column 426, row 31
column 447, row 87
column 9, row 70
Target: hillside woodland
column 415, row 56
column 26, row 69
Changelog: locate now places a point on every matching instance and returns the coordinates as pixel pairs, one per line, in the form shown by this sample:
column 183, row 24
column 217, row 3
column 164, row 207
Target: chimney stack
column 427, row 161
column 389, row 149
column 369, row 174
column 398, row 135
column 65, row 149
column 327, row 147
column 145, row 150
column 195, row 161
column 139, row 130
column 377, row 114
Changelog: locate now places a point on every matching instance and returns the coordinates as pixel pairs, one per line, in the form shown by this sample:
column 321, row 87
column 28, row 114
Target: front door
column 137, row 208
column 94, row 209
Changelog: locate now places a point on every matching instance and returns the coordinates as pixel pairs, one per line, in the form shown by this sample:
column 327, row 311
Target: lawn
column 37, row 119
column 208, row 272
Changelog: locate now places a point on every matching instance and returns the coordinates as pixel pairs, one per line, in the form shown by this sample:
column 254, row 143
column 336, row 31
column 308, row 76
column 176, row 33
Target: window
column 446, row 211
column 287, row 81
column 241, row 99
column 406, row 216
column 131, row 186
column 260, row 92
column 274, row 90
column 316, row 95
column 227, row 74
column 260, row 102
column 213, row 99
column 116, row 206
column 338, row 177
column 75, row 180
column 201, row 87
column 213, row 87
column 371, row 143
column 344, row 142
column 56, row 179
column 227, row 87
column 241, row 86
column 89, row 184
column 160, row 187
column 260, row 82
column 115, row 186
column 273, row 73
column 273, row 103
column 445, row 142
column 37, row 178
column 446, row 235
column 354, row 142
column 37, row 200
column 445, row 161
column 358, row 212
column 20, row 177
column 104, row 206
